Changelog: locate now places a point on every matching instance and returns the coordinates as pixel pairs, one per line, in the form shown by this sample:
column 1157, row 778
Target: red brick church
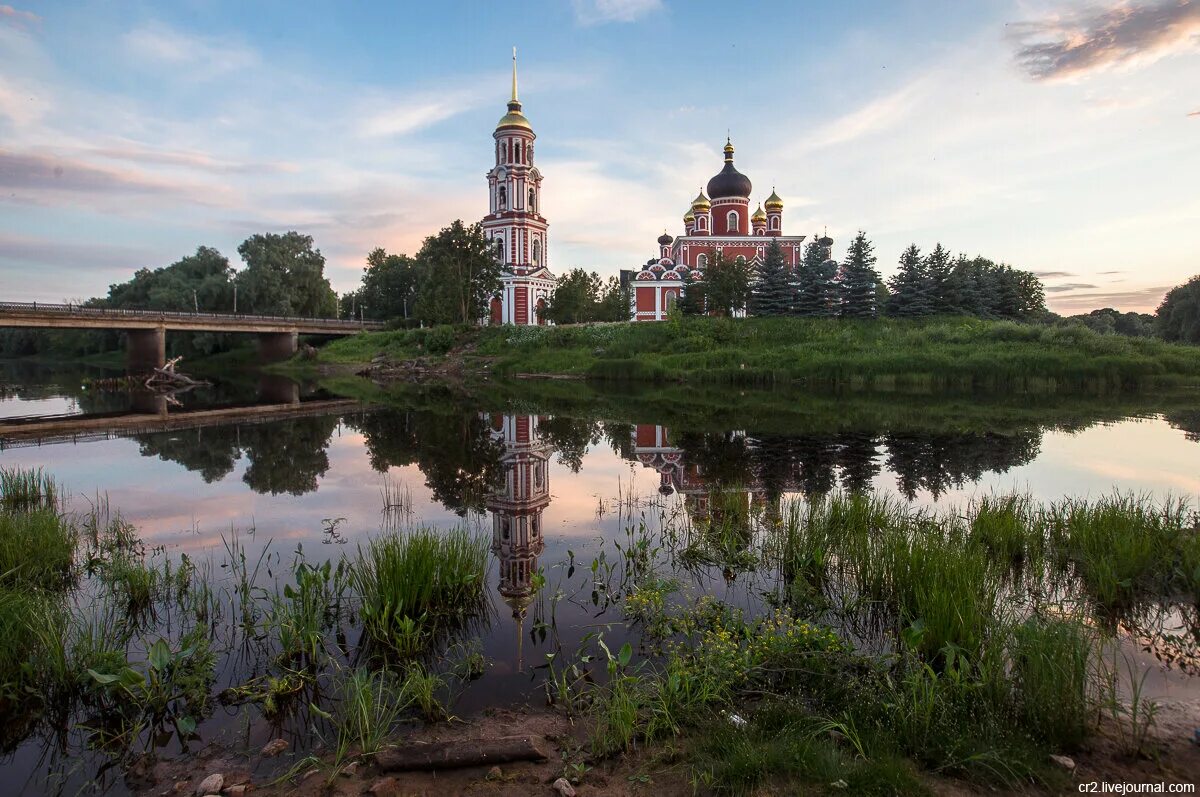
column 719, row 222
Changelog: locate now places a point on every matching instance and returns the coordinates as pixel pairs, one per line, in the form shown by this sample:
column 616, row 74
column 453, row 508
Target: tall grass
column 24, row 489
column 416, row 582
column 37, row 548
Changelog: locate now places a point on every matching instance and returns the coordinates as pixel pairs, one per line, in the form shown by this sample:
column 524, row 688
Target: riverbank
column 881, row 353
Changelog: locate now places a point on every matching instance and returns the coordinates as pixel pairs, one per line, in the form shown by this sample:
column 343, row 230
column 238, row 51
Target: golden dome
column 773, row 201
column 759, row 215
column 701, row 203
column 689, row 217
column 514, row 118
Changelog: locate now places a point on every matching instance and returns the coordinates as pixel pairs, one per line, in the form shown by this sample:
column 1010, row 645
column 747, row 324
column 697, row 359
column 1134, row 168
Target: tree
column 284, row 275
column 727, row 285
column 859, row 279
column 575, row 299
column 692, row 301
column 772, row 293
column 1178, row 317
column 614, row 302
column 202, row 281
column 389, row 286
column 910, row 286
column 459, row 274
column 937, row 269
column 816, row 287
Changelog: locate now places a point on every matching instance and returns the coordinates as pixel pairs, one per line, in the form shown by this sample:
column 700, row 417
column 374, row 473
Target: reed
column 37, row 549
column 24, row 489
column 430, row 578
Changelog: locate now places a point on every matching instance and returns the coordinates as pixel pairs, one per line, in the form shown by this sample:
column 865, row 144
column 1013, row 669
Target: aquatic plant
column 23, row 489
column 420, row 581
column 37, row 549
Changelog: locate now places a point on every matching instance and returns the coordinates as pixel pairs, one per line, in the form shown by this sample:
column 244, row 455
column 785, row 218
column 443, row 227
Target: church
column 719, row 222
column 514, row 221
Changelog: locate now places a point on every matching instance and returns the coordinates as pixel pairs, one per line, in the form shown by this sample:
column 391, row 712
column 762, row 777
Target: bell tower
column 515, row 222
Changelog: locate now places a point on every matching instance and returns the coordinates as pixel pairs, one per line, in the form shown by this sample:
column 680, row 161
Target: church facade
column 717, row 223
column 514, row 221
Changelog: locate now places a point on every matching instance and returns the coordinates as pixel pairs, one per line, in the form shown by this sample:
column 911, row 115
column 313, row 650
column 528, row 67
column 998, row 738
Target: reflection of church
column 653, row 448
column 516, row 506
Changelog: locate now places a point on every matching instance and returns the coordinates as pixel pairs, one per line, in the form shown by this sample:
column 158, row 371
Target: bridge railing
column 118, row 313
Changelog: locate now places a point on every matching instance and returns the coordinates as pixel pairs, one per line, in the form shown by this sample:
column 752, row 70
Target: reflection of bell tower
column 516, row 506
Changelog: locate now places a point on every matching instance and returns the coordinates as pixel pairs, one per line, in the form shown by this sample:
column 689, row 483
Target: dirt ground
column 657, row 771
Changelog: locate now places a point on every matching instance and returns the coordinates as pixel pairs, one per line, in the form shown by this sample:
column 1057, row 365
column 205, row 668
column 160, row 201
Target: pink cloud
column 19, row 18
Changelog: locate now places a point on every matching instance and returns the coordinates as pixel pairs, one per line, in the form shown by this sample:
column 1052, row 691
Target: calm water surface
column 548, row 487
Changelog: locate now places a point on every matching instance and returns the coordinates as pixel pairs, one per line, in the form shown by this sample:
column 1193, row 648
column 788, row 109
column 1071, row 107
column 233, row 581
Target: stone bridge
column 146, row 330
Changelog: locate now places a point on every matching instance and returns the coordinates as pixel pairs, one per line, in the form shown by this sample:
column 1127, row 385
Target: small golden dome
column 773, row 201
column 759, row 215
column 689, row 217
column 701, row 203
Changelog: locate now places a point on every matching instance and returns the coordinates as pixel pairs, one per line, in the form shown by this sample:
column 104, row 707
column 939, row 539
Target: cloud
column 1141, row 300
column 51, row 252
column 1070, row 286
column 598, row 12
column 18, row 18
column 875, row 116
column 1121, row 35
column 407, row 116
column 203, row 57
column 1052, row 274
column 38, row 172
column 1194, row 113
column 190, row 159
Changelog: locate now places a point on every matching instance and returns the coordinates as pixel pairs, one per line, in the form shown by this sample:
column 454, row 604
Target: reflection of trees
column 570, row 438
column 210, row 451
column 289, row 456
column 1186, row 421
column 815, row 464
column 939, row 462
column 456, row 453
column 285, row 456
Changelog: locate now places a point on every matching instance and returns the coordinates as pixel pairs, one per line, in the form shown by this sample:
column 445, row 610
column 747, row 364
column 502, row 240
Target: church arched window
column 774, row 222
column 731, row 221
column 701, row 223
column 503, row 198
column 671, row 297
column 517, row 152
column 537, row 253
column 532, row 201
column 701, row 261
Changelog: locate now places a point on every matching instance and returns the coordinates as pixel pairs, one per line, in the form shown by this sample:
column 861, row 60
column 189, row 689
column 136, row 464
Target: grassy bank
column 882, row 353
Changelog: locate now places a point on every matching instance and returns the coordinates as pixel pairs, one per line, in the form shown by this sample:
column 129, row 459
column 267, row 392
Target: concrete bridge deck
column 146, row 329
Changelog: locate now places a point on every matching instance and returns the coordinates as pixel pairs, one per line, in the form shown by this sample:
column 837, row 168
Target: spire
column 728, row 150
column 514, row 89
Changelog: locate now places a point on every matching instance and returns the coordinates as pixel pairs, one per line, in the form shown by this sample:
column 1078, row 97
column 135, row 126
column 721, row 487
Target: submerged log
column 461, row 753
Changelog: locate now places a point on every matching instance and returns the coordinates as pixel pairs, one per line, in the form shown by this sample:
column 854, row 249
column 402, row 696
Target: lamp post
column 235, row 298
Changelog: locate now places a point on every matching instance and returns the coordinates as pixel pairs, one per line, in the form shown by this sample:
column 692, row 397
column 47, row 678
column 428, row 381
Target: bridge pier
column 275, row 346
column 144, row 401
column 275, row 389
column 145, row 349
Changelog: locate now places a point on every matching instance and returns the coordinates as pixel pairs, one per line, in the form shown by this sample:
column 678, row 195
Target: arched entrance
column 541, row 310
column 496, row 311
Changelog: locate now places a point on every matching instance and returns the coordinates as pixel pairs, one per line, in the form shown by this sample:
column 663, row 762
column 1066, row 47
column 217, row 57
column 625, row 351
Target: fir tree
column 771, row 293
column 859, row 279
column 938, row 267
column 910, row 286
column 816, row 288
column 692, row 300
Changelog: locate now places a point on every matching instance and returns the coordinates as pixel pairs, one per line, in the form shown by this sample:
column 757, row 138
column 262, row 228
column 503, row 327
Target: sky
column 1061, row 137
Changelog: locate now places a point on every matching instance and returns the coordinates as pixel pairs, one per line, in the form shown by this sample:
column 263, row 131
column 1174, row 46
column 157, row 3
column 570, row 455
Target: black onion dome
column 664, row 239
column 729, row 182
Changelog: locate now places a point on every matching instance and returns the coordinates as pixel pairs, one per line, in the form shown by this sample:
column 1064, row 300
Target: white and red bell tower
column 515, row 221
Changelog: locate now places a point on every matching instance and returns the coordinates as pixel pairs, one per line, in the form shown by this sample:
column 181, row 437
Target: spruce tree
column 910, row 286
column 771, row 293
column 816, row 285
column 859, row 279
column 692, row 300
column 938, row 266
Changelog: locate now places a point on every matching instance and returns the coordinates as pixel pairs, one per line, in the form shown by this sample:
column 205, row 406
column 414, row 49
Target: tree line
column 932, row 284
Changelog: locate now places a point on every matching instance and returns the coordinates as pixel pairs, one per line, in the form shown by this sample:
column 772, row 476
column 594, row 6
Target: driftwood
column 168, row 379
column 462, row 753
